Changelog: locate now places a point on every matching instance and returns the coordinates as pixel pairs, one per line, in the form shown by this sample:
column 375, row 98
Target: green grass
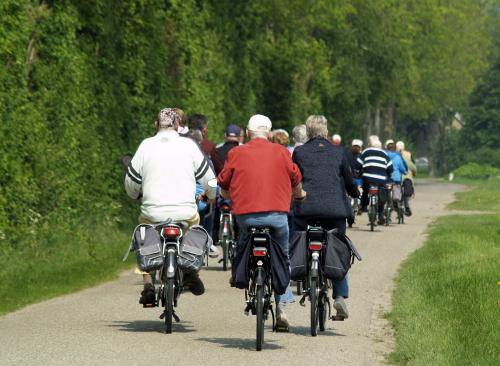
column 483, row 196
column 447, row 297
column 62, row 260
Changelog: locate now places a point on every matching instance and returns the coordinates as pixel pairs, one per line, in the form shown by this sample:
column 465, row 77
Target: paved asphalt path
column 105, row 325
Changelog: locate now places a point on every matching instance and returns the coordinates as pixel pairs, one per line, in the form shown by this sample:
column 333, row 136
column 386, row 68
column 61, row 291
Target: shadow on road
column 240, row 343
column 306, row 331
column 142, row 326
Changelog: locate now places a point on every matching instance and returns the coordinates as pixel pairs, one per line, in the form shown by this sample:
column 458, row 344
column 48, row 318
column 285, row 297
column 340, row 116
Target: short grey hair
column 261, row 134
column 300, row 134
column 316, row 125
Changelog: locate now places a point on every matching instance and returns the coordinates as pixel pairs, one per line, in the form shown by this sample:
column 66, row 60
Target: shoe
column 341, row 307
column 408, row 211
column 148, row 295
column 380, row 222
column 194, row 283
column 282, row 324
column 213, row 252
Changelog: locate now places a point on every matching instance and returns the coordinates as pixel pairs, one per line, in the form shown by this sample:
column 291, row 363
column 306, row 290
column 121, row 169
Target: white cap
column 390, row 141
column 377, row 144
column 336, row 138
column 259, row 122
column 400, row 145
column 357, row 142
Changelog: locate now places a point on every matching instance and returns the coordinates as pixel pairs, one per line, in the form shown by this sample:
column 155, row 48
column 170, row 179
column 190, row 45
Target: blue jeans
column 340, row 288
column 279, row 222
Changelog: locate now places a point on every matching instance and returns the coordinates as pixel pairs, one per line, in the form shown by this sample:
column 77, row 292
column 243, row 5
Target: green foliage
column 476, row 171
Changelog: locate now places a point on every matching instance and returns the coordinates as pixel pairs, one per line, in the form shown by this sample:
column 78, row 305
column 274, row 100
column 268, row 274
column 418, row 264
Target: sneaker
column 148, row 295
column 341, row 307
column 213, row 252
column 194, row 283
column 282, row 324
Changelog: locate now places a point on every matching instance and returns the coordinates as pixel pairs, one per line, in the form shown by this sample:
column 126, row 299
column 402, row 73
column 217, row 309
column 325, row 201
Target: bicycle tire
column 260, row 316
column 169, row 304
column 322, row 312
column 225, row 254
column 313, row 296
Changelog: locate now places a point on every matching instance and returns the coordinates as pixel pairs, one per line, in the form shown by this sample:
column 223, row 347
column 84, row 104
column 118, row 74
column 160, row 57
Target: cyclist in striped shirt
column 377, row 168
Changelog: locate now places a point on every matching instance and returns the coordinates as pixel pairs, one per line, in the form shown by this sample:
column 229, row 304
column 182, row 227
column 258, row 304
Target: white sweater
column 165, row 169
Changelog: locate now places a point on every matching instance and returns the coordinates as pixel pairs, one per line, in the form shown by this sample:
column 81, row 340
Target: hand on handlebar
column 300, row 195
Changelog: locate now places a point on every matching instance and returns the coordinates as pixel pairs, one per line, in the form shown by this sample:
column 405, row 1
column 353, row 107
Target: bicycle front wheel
column 260, row 316
column 313, row 294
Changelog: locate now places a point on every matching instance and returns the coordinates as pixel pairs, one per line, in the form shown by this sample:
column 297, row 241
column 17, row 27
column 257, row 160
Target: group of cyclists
column 268, row 182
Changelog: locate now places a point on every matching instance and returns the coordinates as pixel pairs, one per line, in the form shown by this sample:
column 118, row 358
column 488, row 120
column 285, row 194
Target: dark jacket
column 224, row 150
column 326, row 176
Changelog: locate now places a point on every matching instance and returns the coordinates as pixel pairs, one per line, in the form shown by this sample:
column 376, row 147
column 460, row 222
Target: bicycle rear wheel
column 260, row 316
column 169, row 304
column 313, row 294
column 225, row 254
column 322, row 311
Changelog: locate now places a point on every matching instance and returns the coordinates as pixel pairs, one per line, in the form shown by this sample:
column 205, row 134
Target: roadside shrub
column 476, row 171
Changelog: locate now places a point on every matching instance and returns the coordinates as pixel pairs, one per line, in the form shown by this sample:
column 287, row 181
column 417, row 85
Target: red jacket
column 259, row 177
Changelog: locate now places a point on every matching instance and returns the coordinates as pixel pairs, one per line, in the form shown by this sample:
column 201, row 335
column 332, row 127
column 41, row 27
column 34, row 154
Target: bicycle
column 400, row 207
column 388, row 207
column 227, row 240
column 170, row 275
column 259, row 291
column 373, row 206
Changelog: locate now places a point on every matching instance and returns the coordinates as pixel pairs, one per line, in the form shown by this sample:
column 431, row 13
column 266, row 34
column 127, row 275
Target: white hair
column 316, row 125
column 300, row 134
column 400, row 146
column 336, row 138
column 374, row 140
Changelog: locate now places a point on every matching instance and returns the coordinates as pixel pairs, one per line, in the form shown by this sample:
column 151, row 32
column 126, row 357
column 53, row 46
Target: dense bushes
column 476, row 171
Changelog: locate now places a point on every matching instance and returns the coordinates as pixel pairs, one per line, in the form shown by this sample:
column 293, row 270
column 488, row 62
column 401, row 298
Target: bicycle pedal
column 303, row 300
column 148, row 305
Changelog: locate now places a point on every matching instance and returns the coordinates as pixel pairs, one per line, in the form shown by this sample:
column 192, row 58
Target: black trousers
column 364, row 196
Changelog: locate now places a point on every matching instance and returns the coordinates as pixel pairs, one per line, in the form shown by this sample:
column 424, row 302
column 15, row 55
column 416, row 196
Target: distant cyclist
column 326, row 176
column 259, row 178
column 408, row 179
column 399, row 169
column 376, row 168
column 163, row 175
column 352, row 157
column 299, row 134
column 232, row 139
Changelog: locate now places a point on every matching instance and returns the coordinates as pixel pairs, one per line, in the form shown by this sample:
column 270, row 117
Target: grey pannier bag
column 194, row 246
column 146, row 243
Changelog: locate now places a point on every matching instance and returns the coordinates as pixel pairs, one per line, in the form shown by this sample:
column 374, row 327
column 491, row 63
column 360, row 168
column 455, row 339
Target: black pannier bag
column 146, row 243
column 340, row 254
column 298, row 255
column 408, row 188
column 194, row 245
column 280, row 268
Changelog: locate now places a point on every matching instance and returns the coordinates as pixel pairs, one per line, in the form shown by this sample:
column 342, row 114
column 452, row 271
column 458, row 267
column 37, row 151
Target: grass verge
column 62, row 260
column 484, row 196
column 447, row 297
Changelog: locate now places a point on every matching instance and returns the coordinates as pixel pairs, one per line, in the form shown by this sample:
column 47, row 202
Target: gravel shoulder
column 106, row 325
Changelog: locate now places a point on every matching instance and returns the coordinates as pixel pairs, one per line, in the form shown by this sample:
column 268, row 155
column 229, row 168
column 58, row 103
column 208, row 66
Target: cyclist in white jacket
column 163, row 175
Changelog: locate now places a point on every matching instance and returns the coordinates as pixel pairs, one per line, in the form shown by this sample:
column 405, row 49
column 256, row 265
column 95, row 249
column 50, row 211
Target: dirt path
column 106, row 326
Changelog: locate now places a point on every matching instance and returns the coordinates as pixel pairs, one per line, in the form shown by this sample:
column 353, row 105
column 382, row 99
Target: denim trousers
column 279, row 222
column 340, row 288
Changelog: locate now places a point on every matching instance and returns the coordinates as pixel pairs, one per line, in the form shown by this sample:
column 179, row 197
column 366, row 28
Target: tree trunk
column 377, row 121
column 431, row 141
column 442, row 143
column 388, row 130
column 368, row 124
